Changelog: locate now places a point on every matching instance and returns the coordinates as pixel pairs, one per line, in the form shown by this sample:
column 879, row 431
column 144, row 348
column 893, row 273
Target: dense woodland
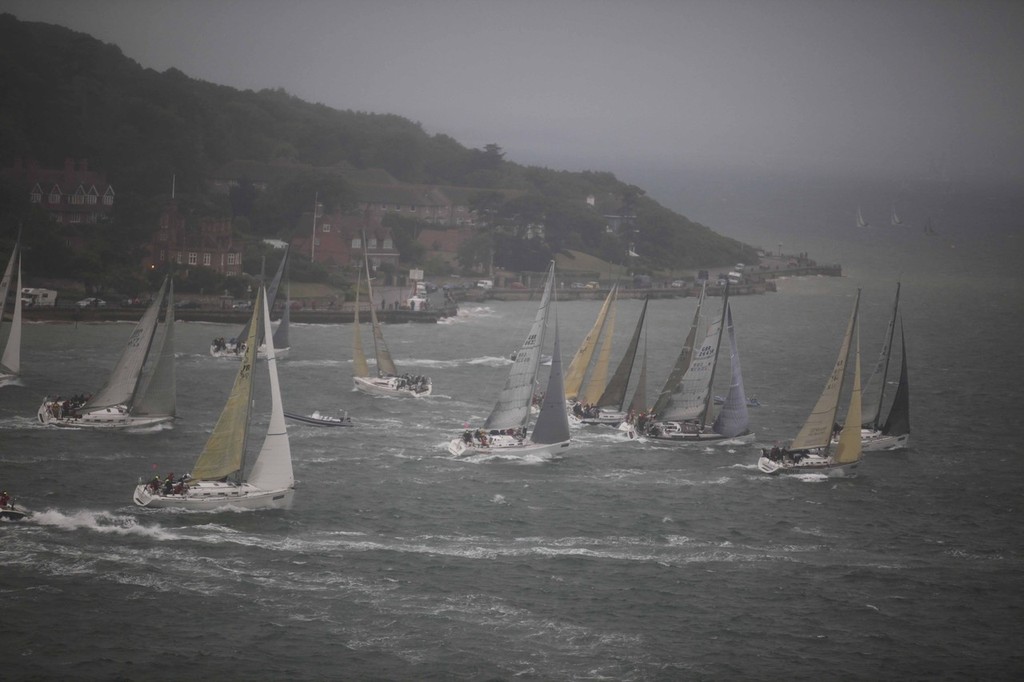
column 65, row 94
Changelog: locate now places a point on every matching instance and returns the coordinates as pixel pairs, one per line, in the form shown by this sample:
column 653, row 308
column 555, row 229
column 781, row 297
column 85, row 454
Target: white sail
column 860, row 219
column 272, row 469
column 895, row 219
column 10, row 363
column 157, row 394
column 690, row 401
column 817, row 430
column 512, row 409
column 359, row 366
column 124, row 379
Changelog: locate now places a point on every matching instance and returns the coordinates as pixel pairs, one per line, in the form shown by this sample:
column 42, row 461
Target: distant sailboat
column 233, row 348
column 218, row 479
column 928, row 229
column 10, row 361
column 505, row 432
column 130, row 398
column 895, row 219
column 385, row 381
column 609, row 406
column 811, row 450
column 860, row 219
column 891, row 432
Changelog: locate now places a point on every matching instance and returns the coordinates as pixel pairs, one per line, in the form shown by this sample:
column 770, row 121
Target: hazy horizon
column 915, row 89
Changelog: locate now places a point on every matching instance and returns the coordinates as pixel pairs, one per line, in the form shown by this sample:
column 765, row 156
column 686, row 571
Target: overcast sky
column 897, row 87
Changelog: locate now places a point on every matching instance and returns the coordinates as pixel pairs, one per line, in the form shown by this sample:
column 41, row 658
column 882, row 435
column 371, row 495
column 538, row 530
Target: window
column 108, row 200
column 90, row 199
column 207, row 259
column 54, row 197
column 326, row 227
column 371, row 243
column 387, row 243
column 357, row 243
column 36, row 197
column 231, row 259
column 78, row 199
column 193, row 258
column 178, row 258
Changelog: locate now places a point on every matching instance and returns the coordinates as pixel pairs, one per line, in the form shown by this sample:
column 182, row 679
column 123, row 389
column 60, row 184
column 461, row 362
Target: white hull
column 261, row 352
column 8, row 379
column 505, row 446
column 604, row 418
column 116, row 417
column 809, row 464
column 388, row 386
column 683, row 433
column 12, row 514
column 876, row 441
column 215, row 495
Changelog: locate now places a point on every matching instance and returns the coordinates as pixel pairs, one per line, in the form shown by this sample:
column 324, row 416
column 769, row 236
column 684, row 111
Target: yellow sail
column 359, row 366
column 849, row 448
column 224, row 453
column 599, row 376
column 581, row 360
column 817, row 430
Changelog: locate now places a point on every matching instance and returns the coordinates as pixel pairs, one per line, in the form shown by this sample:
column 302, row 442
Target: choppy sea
column 621, row 560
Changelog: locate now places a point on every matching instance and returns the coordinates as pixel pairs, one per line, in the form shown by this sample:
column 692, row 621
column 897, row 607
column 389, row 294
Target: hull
column 230, row 351
column 51, row 413
column 507, row 446
column 389, row 386
column 319, row 419
column 684, row 433
column 876, row 441
column 8, row 379
column 214, row 496
column 11, row 514
column 604, row 418
column 809, row 464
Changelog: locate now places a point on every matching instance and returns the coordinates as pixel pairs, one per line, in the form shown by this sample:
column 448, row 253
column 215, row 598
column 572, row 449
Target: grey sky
column 905, row 87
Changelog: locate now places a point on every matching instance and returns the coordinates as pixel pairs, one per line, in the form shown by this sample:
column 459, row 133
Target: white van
column 485, row 284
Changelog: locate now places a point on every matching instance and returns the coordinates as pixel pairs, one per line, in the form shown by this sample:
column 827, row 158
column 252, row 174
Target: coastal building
column 74, row 194
column 336, row 240
column 202, row 242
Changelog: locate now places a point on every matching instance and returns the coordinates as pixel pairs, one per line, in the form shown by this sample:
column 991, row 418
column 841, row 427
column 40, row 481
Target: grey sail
column 157, row 395
column 615, row 392
column 124, row 379
column 512, row 409
column 275, row 284
column 662, row 405
column 898, row 421
column 385, row 364
column 10, row 362
column 553, row 422
column 874, row 388
column 733, row 419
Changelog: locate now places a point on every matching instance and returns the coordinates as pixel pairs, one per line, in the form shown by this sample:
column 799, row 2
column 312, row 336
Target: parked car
column 678, row 284
column 187, row 305
column 242, row 305
column 92, row 302
column 592, row 285
column 485, row 284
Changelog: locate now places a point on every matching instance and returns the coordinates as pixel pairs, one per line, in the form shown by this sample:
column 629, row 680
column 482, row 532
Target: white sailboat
column 232, row 348
column 386, row 381
column 811, row 450
column 505, row 432
column 891, row 432
column 10, row 361
column 685, row 413
column 895, row 218
column 217, row 480
column 130, row 398
column 860, row 219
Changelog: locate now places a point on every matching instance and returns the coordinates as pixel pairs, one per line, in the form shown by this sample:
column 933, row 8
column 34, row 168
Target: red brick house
column 208, row 243
column 72, row 195
column 339, row 240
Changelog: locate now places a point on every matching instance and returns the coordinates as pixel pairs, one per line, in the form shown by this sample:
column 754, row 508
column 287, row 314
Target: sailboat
column 895, row 219
column 505, row 432
column 217, row 480
column 685, row 412
column 231, row 348
column 386, row 381
column 130, row 398
column 928, row 229
column 10, row 361
column 811, row 450
column 581, row 399
column 893, row 431
column 609, row 406
column 860, row 219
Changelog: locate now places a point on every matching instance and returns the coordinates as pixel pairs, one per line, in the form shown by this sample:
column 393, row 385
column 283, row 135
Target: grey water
column 621, row 560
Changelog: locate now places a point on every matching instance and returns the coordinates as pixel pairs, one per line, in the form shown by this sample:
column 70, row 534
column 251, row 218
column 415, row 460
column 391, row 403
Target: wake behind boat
column 217, row 480
column 130, row 398
column 810, row 451
column 506, row 432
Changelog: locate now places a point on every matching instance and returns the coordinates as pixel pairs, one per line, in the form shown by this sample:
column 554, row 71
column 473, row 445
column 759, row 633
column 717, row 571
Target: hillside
column 65, row 94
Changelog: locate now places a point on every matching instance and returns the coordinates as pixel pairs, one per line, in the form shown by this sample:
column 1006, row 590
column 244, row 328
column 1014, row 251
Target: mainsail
column 817, row 430
column 639, row 402
column 359, row 366
column 272, row 469
column 599, row 376
column 860, row 219
column 581, row 360
column 874, row 388
column 693, row 397
column 123, row 381
column 615, row 392
column 10, row 362
column 895, row 219
column 665, row 398
column 224, row 453
column 512, row 409
column 898, row 421
column 385, row 365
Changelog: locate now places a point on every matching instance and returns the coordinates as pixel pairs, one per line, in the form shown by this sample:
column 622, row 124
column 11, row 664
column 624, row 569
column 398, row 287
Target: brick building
column 71, row 195
column 339, row 240
column 208, row 242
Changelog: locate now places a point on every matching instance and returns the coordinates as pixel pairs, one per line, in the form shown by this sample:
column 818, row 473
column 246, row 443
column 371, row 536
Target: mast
column 710, row 400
